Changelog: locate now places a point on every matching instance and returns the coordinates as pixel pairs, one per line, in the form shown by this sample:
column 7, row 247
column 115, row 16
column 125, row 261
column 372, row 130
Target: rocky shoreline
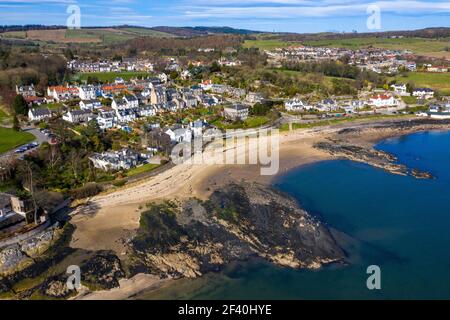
column 347, row 144
column 238, row 222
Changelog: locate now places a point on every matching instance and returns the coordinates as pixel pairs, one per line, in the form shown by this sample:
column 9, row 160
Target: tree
column 16, row 124
column 20, row 105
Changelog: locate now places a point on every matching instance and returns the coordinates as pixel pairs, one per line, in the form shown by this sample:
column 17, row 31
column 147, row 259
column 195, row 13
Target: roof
column 40, row 112
column 423, row 89
column 80, row 112
column 238, row 107
column 382, row 97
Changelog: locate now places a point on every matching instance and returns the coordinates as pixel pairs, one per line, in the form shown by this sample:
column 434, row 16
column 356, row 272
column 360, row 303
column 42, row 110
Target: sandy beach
column 108, row 220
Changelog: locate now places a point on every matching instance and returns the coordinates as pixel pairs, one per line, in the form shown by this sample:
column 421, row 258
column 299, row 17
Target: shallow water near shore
column 401, row 224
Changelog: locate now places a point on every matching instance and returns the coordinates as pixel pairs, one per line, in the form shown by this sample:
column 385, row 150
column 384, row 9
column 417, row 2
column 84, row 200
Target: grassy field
column 111, row 76
column 269, row 44
column 437, row 81
column 427, row 47
column 10, row 139
column 142, row 169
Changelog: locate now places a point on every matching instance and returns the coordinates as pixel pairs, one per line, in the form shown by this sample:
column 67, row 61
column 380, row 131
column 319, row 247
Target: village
column 146, row 115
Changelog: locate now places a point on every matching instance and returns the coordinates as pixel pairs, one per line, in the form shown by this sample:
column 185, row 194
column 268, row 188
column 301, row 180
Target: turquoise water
column 399, row 223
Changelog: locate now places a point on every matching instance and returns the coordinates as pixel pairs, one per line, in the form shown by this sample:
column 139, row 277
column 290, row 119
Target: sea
column 399, row 224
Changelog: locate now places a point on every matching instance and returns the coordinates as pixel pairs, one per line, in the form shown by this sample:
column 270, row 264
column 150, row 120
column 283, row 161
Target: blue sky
column 265, row 15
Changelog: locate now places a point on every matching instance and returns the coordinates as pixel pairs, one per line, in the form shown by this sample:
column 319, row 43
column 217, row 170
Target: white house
column 26, row 91
column 400, row 89
column 132, row 101
column 146, row 111
column 77, row 116
column 295, row 105
column 423, row 93
column 106, row 119
column 87, row 92
column 236, row 112
column 383, row 101
column 126, row 115
column 39, row 114
column 179, row 135
column 90, row 104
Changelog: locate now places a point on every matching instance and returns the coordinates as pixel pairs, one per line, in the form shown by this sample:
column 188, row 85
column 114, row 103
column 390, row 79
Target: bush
column 120, row 183
column 89, row 190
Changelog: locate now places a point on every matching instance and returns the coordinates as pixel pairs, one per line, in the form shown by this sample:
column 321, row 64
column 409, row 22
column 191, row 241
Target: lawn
column 142, row 169
column 249, row 123
column 111, row 76
column 4, row 117
column 10, row 139
column 428, row 47
column 437, row 81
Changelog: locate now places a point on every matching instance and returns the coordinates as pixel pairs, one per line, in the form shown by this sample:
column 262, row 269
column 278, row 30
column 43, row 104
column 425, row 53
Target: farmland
column 437, row 81
column 95, row 35
column 10, row 139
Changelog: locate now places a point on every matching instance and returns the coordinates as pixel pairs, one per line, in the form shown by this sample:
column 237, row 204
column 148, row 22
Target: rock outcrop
column 237, row 222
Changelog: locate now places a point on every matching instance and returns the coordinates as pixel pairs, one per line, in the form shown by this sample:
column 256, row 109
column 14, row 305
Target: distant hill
column 199, row 31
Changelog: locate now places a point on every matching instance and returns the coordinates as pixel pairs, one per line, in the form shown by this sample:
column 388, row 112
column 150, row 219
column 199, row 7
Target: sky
column 299, row 16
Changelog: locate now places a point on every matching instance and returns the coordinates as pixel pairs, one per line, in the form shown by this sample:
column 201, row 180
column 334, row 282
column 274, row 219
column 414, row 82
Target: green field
column 10, row 139
column 269, row 44
column 111, row 76
column 429, row 47
column 436, row 81
column 142, row 169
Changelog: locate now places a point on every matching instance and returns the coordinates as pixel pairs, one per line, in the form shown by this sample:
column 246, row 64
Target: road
column 40, row 138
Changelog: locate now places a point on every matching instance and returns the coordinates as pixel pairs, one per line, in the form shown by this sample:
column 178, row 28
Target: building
column 423, row 93
column 106, row 119
column 126, row 115
column 90, row 104
column 438, row 69
column 87, row 92
column 60, row 93
column 400, row 89
column 178, row 135
column 118, row 160
column 294, row 105
column 236, row 112
column 39, row 114
column 254, row 97
column 26, row 91
column 383, row 101
column 147, row 111
column 77, row 116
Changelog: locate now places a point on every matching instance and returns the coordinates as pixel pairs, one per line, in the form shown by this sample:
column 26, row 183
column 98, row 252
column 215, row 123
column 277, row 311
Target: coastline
column 296, row 149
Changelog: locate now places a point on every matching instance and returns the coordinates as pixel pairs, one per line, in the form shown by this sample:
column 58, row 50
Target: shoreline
column 296, row 150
